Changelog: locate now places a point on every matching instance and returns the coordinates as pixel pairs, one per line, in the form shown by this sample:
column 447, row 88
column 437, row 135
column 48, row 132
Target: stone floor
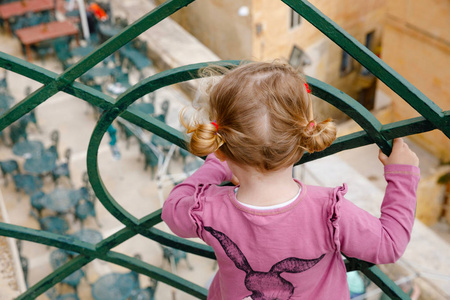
column 125, row 179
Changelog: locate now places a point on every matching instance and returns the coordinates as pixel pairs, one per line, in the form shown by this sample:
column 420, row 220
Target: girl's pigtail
column 205, row 139
column 318, row 136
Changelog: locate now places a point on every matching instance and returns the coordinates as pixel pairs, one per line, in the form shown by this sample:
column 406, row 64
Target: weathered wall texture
column 204, row 19
column 416, row 43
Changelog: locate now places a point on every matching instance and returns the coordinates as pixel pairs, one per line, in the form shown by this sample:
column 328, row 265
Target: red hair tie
column 311, row 124
column 307, row 88
column 215, row 125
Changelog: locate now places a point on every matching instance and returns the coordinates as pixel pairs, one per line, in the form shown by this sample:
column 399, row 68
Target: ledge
column 12, row 281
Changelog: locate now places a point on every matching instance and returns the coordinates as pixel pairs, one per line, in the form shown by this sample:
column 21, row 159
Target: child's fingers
column 382, row 157
column 398, row 143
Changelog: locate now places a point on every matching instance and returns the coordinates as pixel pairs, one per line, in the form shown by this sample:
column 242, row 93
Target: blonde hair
column 264, row 117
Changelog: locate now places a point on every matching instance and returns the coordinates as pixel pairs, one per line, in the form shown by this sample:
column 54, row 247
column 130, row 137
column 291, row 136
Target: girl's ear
column 220, row 155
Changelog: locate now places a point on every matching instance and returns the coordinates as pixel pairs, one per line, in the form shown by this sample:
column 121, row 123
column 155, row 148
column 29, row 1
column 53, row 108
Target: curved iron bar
column 415, row 98
column 353, row 109
column 89, row 252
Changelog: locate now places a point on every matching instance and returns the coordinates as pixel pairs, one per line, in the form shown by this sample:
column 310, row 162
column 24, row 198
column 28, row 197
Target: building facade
column 416, row 43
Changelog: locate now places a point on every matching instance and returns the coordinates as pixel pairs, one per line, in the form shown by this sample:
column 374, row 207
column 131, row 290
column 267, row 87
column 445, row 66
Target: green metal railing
column 432, row 117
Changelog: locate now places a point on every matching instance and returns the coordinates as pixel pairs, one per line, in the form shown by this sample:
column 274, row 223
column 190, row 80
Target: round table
column 54, row 224
column 38, row 164
column 58, row 258
column 88, row 235
column 113, row 286
column 33, row 148
column 61, row 200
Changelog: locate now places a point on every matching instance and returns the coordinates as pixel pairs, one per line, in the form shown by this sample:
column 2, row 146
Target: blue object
column 28, row 183
column 112, row 134
column 9, row 167
column 39, row 164
column 61, row 200
column 114, row 286
column 54, row 224
column 32, row 148
column 58, row 258
column 37, row 201
column 356, row 284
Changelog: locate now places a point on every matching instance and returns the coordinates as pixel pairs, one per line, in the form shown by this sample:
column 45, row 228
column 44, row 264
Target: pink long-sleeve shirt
column 292, row 252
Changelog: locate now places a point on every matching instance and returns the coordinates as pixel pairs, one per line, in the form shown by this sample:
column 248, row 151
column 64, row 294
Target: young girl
column 275, row 237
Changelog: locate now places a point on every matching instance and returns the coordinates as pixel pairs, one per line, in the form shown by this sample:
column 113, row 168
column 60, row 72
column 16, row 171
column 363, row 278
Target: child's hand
column 401, row 155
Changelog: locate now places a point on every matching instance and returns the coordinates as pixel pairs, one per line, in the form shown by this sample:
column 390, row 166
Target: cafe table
column 54, row 224
column 28, row 148
column 46, row 31
column 88, row 235
column 20, row 8
column 61, row 200
column 40, row 164
column 113, row 286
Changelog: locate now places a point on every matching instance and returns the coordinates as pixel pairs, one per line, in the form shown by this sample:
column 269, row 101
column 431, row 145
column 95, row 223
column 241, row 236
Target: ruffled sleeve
column 357, row 233
column 183, row 208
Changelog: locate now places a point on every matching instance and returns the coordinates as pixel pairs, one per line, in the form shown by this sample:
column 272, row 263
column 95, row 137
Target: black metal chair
column 62, row 50
column 164, row 111
column 63, row 170
column 37, row 203
column 30, row 184
column 54, row 137
column 127, row 133
column 10, row 167
column 43, row 49
column 174, row 256
column 18, row 132
column 150, row 158
column 83, row 210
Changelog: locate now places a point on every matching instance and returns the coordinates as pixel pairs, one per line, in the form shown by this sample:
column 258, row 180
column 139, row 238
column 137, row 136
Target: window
column 369, row 41
column 346, row 63
column 298, row 58
column 295, row 19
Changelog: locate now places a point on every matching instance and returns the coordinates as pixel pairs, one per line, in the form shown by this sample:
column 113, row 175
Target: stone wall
column 416, row 43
